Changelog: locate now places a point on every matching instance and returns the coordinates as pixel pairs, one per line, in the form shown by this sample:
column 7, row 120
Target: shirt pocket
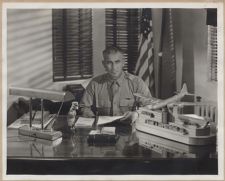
column 129, row 102
column 126, row 105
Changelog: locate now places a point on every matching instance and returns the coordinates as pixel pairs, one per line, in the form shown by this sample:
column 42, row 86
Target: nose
column 113, row 66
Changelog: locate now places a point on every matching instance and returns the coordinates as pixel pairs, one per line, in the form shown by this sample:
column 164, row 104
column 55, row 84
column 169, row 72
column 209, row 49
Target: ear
column 123, row 62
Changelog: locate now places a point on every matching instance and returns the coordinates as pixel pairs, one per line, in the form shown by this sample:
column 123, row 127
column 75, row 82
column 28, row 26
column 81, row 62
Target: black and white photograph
column 113, row 91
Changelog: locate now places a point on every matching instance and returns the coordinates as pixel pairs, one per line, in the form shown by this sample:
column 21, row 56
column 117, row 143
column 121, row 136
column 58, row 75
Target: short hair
column 111, row 50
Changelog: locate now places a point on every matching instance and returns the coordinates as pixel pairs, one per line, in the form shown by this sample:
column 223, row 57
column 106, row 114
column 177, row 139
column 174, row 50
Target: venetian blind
column 72, row 44
column 122, row 30
column 212, row 52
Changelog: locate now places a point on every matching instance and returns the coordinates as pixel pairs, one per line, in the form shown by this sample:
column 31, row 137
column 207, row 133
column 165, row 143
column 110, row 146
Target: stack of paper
column 108, row 130
column 84, row 122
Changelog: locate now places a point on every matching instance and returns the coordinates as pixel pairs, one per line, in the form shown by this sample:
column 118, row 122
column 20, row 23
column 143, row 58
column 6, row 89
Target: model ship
column 168, row 148
column 184, row 128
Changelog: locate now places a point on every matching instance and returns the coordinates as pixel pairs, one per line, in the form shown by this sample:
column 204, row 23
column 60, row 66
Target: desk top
column 131, row 144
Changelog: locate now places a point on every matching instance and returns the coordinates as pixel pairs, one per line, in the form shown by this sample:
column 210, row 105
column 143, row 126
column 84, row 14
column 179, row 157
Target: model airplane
column 159, row 103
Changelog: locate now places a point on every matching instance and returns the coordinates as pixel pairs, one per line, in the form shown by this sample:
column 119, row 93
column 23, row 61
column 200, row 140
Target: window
column 72, row 44
column 211, row 21
column 212, row 52
column 122, row 30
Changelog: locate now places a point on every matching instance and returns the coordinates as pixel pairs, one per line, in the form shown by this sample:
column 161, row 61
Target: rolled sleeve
column 143, row 89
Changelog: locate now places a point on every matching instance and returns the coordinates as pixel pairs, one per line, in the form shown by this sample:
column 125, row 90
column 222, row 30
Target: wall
column 203, row 87
column 29, row 45
column 191, row 52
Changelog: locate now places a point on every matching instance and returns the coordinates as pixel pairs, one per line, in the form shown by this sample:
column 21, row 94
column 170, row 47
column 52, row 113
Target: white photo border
column 220, row 100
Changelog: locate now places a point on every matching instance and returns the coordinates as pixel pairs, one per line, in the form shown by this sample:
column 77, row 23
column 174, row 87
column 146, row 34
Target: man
column 112, row 94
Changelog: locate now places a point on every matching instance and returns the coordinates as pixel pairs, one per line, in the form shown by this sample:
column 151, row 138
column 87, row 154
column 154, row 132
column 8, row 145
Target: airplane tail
column 184, row 90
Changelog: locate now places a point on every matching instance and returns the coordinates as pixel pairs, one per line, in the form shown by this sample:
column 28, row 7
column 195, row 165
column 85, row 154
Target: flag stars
column 146, row 20
column 146, row 23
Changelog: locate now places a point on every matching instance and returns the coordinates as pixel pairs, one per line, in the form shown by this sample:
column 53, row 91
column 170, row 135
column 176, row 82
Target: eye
column 108, row 62
column 118, row 61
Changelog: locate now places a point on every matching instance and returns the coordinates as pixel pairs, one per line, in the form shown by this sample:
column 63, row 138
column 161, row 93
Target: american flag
column 145, row 63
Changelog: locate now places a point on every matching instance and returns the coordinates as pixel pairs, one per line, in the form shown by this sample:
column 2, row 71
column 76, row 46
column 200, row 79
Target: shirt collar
column 120, row 80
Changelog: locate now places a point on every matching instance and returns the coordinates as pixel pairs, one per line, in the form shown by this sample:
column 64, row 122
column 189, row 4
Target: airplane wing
column 138, row 95
column 154, row 103
column 150, row 100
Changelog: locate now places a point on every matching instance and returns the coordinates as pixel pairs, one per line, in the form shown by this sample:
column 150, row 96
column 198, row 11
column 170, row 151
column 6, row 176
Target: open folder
column 107, row 119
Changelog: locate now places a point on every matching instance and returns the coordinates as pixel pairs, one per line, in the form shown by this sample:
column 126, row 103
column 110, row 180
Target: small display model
column 184, row 128
column 29, row 130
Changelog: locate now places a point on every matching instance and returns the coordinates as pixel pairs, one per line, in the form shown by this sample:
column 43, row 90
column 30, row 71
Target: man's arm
column 143, row 89
column 87, row 101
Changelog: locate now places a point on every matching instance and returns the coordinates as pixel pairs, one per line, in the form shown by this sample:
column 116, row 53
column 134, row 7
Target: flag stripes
column 145, row 46
column 145, row 62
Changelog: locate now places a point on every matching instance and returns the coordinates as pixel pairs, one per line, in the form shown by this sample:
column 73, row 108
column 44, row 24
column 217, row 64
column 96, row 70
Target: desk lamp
column 42, row 94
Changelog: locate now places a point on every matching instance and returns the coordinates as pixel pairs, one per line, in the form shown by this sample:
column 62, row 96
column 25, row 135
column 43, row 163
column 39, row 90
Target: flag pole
column 160, row 54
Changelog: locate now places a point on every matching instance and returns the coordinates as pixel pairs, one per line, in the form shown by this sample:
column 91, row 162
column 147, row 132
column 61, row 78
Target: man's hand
column 129, row 117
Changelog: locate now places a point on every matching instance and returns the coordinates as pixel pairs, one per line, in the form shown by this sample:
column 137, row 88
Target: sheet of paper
column 107, row 119
column 94, row 132
column 84, row 122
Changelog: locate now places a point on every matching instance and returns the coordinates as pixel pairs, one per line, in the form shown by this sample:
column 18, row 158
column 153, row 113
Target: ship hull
column 160, row 145
column 176, row 136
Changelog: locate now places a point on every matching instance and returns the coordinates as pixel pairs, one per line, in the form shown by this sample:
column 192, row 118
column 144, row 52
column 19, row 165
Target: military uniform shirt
column 98, row 98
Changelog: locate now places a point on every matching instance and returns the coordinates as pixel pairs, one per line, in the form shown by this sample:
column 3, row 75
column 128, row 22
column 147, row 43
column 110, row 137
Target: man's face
column 113, row 64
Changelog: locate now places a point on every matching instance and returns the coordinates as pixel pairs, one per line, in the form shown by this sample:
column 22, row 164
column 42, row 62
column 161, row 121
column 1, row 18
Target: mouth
column 114, row 73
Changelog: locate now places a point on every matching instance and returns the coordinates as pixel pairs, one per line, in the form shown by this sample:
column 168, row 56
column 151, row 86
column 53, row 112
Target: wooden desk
column 134, row 153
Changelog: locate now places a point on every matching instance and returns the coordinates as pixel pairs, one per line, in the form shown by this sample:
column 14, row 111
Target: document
column 107, row 119
column 83, row 122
